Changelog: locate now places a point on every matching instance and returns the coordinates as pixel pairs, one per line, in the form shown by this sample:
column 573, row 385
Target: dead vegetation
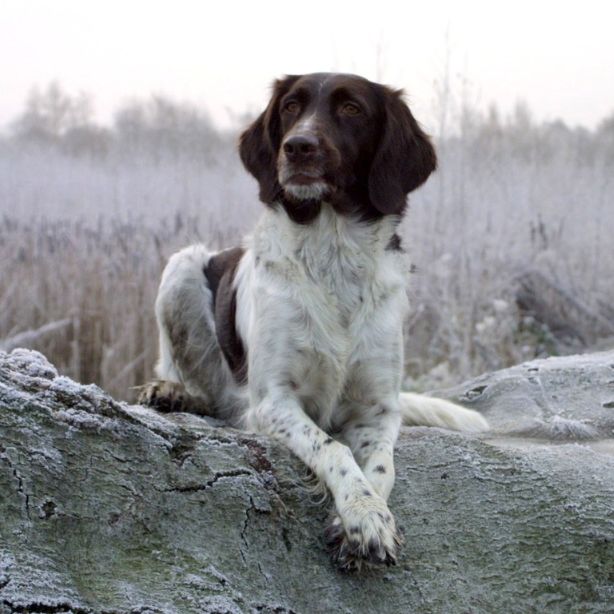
column 511, row 241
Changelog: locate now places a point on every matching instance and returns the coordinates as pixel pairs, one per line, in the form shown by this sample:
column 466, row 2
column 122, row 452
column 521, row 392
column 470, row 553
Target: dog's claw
column 349, row 554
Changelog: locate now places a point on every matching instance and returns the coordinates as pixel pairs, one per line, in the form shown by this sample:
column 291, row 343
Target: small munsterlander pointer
column 298, row 334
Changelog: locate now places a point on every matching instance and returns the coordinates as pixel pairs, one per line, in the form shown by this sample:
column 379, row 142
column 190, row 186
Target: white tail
column 419, row 410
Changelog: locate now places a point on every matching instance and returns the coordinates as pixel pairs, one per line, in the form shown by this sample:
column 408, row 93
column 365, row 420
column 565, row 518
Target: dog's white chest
column 315, row 294
column 336, row 269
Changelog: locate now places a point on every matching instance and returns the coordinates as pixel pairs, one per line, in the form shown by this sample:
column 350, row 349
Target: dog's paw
column 368, row 535
column 344, row 556
column 164, row 396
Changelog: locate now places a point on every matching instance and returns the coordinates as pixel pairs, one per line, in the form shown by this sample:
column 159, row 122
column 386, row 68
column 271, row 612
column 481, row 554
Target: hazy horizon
column 552, row 56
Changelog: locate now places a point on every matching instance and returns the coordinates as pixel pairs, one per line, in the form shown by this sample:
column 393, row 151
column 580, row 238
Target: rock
column 107, row 507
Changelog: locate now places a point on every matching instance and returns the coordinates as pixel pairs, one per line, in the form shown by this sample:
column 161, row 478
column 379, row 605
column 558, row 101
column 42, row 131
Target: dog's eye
column 292, row 107
column 350, row 108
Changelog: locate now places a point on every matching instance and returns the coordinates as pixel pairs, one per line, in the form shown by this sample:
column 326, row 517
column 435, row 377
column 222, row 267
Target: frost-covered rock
column 106, row 507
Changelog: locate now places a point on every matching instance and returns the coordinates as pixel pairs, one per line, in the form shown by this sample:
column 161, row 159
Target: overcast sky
column 558, row 56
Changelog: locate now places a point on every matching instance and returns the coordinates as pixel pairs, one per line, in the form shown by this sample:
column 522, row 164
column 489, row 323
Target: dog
column 299, row 333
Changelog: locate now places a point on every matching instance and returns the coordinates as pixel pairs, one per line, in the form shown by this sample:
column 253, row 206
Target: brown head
column 336, row 138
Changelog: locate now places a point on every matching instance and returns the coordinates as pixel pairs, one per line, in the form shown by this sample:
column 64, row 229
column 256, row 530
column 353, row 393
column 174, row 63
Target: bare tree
column 51, row 113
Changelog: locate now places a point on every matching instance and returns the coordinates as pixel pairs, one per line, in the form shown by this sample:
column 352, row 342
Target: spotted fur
column 315, row 301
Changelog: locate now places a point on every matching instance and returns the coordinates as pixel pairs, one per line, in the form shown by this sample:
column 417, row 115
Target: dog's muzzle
column 301, row 167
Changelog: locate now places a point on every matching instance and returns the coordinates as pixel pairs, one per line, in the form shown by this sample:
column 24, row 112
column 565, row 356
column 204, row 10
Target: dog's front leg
column 368, row 527
column 371, row 436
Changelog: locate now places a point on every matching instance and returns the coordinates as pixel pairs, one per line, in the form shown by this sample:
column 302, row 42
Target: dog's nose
column 301, row 148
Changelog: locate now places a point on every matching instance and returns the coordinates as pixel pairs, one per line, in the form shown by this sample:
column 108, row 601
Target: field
column 511, row 240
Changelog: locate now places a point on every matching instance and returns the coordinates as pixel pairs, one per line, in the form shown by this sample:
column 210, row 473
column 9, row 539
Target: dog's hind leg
column 193, row 375
column 168, row 396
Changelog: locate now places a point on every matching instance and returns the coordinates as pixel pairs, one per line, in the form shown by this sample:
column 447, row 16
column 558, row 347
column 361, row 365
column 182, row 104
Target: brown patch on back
column 220, row 273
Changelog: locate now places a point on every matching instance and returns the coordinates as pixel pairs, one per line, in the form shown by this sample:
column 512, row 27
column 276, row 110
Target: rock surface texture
column 106, row 507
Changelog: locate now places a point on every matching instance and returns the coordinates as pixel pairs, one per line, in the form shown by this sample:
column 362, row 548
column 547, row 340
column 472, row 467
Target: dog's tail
column 420, row 410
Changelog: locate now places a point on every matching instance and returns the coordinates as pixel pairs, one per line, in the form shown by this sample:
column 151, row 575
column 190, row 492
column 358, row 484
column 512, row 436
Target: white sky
column 556, row 55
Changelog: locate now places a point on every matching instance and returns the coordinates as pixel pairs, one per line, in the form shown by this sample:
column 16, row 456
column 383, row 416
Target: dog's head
column 340, row 139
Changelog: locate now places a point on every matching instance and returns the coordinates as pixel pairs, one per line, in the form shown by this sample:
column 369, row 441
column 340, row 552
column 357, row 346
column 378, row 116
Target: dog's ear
column 403, row 159
column 259, row 144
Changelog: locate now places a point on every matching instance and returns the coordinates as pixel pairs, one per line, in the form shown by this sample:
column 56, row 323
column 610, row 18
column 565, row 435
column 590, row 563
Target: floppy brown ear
column 403, row 159
column 259, row 144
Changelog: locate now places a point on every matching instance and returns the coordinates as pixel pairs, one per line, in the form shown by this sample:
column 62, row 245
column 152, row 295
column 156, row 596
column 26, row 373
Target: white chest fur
column 309, row 299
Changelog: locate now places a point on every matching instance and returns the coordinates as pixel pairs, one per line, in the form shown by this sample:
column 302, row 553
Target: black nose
column 300, row 148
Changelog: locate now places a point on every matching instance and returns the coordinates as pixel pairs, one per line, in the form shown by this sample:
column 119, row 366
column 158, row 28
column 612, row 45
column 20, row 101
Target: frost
column 33, row 363
column 124, row 523
column 81, row 419
column 564, row 428
column 91, row 217
column 151, row 418
column 67, row 386
column 500, row 305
